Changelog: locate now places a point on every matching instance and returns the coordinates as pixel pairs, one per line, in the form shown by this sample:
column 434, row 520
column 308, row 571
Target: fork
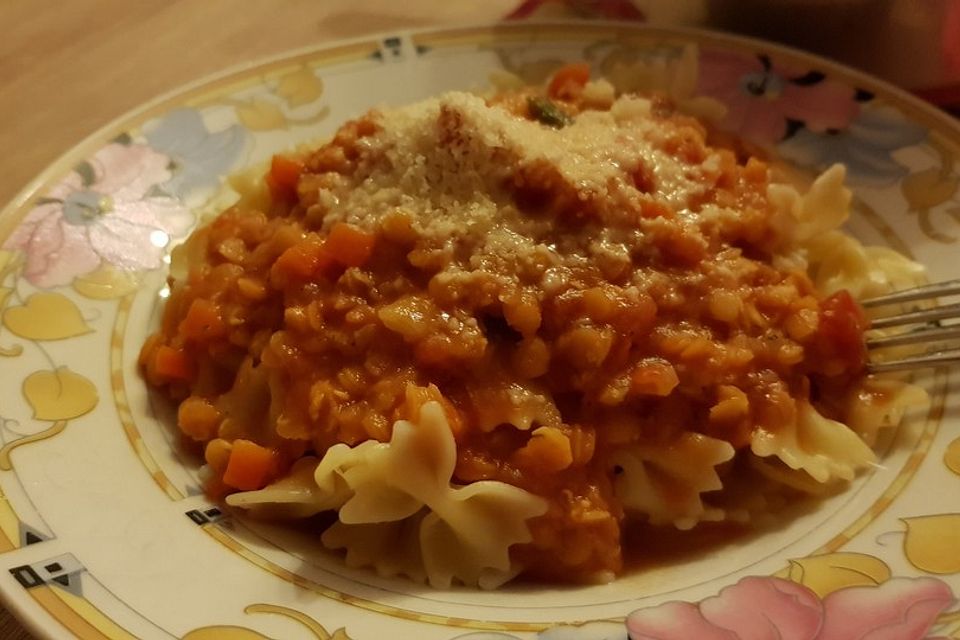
column 927, row 327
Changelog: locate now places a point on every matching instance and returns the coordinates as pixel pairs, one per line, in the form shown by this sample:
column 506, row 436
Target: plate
column 104, row 530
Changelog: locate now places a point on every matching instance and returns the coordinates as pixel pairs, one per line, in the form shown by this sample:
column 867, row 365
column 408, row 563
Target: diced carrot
column 250, row 466
column 172, row 364
column 568, row 82
column 283, row 178
column 349, row 245
column 203, row 321
column 304, row 260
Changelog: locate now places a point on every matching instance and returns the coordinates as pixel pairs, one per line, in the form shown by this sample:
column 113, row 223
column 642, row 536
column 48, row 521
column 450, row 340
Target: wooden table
column 67, row 68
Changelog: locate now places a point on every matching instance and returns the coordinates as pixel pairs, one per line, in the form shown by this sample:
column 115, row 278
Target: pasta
column 491, row 334
column 686, row 466
column 824, row 448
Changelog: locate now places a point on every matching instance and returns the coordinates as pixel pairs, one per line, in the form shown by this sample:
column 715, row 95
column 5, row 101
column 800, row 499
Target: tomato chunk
column 840, row 331
column 283, row 178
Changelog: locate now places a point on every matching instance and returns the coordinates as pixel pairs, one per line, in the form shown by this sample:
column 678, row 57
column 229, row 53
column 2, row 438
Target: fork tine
column 925, row 334
column 946, row 288
column 931, row 334
column 917, row 317
column 919, row 362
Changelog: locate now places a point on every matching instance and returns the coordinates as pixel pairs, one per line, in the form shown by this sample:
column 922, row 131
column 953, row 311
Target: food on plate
column 494, row 333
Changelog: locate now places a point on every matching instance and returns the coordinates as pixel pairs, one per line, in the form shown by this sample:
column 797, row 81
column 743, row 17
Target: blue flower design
column 865, row 147
column 199, row 156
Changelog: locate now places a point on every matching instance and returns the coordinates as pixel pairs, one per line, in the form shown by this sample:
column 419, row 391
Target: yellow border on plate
column 81, row 617
column 9, row 525
column 231, row 543
column 261, row 74
column 119, row 390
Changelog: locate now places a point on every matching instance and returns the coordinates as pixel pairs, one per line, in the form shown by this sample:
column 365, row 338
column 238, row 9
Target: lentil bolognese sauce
column 614, row 315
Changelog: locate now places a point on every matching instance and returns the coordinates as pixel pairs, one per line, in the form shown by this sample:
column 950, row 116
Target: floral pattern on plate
column 767, row 103
column 199, row 158
column 866, row 145
column 103, row 213
column 767, row 607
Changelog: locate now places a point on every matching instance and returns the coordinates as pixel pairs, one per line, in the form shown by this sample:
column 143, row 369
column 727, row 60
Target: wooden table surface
column 67, row 68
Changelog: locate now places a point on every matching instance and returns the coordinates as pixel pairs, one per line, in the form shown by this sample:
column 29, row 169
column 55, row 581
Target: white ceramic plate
column 103, row 528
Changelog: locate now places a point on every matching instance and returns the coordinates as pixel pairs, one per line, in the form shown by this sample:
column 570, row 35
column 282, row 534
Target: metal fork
column 923, row 326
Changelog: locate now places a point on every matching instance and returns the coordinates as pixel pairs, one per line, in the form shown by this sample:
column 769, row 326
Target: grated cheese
column 447, row 162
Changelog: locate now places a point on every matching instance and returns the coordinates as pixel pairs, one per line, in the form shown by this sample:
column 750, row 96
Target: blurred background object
column 912, row 43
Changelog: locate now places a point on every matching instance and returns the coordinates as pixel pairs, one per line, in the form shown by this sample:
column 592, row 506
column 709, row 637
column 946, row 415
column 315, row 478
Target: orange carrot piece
column 349, row 245
column 250, row 466
column 172, row 364
column 304, row 260
column 283, row 178
column 568, row 82
column 203, row 321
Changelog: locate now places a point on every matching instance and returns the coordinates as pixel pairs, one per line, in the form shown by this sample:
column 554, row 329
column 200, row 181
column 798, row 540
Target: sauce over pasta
column 604, row 304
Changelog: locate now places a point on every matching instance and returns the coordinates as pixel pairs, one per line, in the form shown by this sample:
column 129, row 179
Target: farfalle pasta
column 666, row 483
column 493, row 334
column 460, row 532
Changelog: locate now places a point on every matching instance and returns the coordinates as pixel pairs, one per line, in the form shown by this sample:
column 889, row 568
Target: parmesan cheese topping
column 451, row 163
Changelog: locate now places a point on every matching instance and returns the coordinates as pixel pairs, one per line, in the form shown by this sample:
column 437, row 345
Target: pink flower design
column 102, row 213
column 899, row 609
column 774, row 609
column 765, row 101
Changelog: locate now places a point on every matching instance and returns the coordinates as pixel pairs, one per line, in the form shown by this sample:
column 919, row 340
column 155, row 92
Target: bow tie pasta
column 461, row 532
column 492, row 335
